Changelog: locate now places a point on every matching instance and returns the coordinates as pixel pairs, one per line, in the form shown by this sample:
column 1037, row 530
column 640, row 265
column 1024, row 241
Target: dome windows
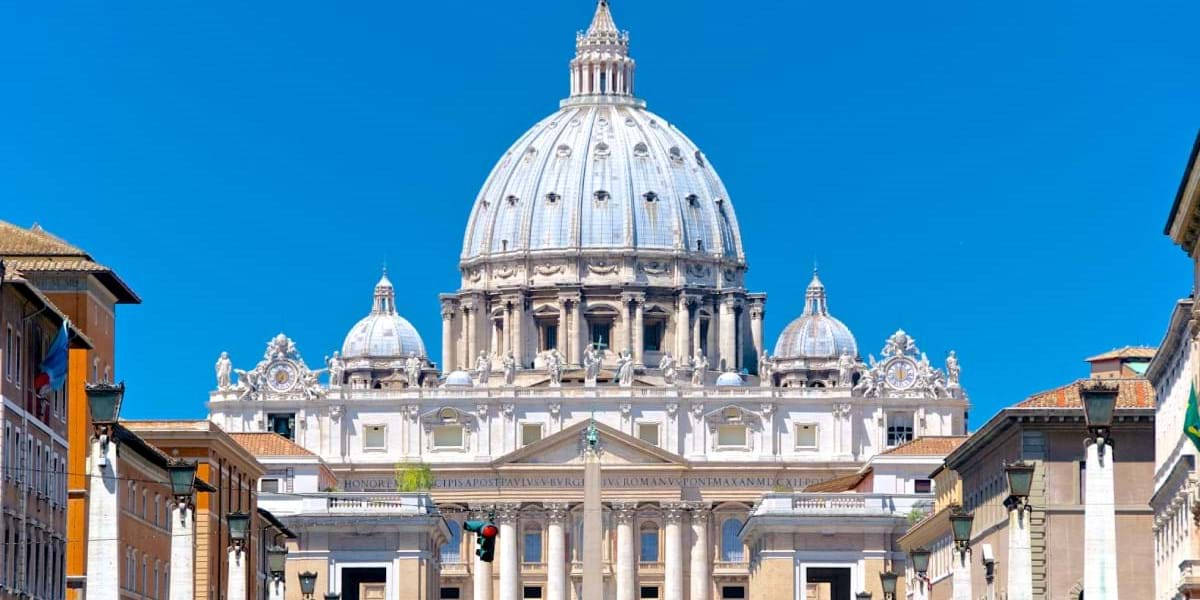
column 640, row 150
column 676, row 154
column 693, row 200
column 650, row 197
column 530, row 153
column 512, row 200
column 699, row 159
column 563, row 151
column 602, row 150
column 600, row 196
column 552, row 198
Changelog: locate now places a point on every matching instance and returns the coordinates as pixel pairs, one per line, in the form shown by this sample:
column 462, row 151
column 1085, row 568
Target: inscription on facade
column 613, row 482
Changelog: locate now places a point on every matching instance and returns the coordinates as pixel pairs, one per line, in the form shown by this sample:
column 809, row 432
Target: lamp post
column 239, row 533
column 960, row 527
column 308, row 584
column 1099, row 518
column 183, row 485
column 887, row 580
column 920, row 565
column 1020, row 558
column 276, row 561
column 103, row 512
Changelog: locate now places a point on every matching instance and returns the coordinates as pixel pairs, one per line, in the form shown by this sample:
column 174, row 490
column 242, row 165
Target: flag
column 53, row 369
column 1191, row 422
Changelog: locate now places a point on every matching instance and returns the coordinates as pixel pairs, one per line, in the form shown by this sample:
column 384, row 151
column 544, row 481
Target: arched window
column 452, row 549
column 649, row 543
column 577, row 533
column 731, row 546
column 532, row 541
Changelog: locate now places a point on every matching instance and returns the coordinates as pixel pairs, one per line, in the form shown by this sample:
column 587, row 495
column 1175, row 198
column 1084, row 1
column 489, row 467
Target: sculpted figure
column 625, row 369
column 699, row 366
column 867, row 383
column 554, row 365
column 845, row 369
column 484, row 367
column 510, row 369
column 952, row 369
column 591, row 366
column 247, row 384
column 766, row 370
column 224, row 368
column 336, row 367
column 667, row 365
column 412, row 368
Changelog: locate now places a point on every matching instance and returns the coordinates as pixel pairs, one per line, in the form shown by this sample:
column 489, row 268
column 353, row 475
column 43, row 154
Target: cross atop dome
column 602, row 71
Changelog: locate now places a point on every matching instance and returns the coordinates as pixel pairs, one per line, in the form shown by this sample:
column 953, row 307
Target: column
column 701, row 574
column 960, row 574
column 673, row 555
column 756, row 331
column 728, row 331
column 104, row 551
column 578, row 330
column 236, row 584
column 639, row 331
column 183, row 580
column 556, row 551
column 626, row 559
column 1020, row 561
column 504, row 344
column 510, row 568
column 683, row 330
column 468, row 335
column 482, row 580
column 1099, row 524
column 562, row 340
column 593, row 527
column 448, row 342
column 696, row 343
column 275, row 588
column 518, row 330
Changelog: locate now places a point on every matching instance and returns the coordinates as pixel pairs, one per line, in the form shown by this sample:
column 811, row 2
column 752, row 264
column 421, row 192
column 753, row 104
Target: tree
column 413, row 477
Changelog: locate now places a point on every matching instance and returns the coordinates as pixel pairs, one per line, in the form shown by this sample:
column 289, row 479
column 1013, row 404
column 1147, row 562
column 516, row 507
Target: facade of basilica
column 603, row 281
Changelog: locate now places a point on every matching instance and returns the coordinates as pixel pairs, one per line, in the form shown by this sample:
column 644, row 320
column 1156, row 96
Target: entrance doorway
column 364, row 583
column 828, row 583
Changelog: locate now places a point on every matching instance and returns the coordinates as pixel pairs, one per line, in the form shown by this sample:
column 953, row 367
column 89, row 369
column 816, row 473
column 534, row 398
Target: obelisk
column 593, row 518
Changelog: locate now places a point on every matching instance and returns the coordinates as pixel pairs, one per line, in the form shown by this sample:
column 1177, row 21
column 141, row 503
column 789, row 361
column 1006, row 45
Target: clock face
column 281, row 376
column 901, row 374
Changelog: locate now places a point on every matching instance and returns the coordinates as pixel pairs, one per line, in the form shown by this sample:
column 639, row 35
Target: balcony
column 843, row 504
column 533, row 568
column 730, row 568
column 1189, row 578
column 455, row 569
column 337, row 504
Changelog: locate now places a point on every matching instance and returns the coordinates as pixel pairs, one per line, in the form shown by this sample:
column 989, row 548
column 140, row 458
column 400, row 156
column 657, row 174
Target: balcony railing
column 352, row 504
column 855, row 504
column 731, row 567
column 454, row 569
column 538, row 567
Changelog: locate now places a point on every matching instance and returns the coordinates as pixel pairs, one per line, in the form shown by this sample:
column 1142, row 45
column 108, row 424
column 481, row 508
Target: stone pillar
column 756, row 332
column 482, row 580
column 236, row 584
column 1099, row 524
column 683, row 330
column 183, row 552
column 556, row 551
column 728, row 332
column 577, row 328
column 448, row 341
column 562, row 341
column 1020, row 560
column 104, row 549
column 510, row 566
column 701, row 574
column 518, row 330
column 639, row 331
column 960, row 574
column 673, row 555
column 275, row 588
column 468, row 335
column 593, row 527
column 504, row 344
column 626, row 572
column 697, row 344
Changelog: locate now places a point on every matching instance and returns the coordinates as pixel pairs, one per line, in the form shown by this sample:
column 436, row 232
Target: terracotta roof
column 934, row 445
column 1131, row 393
column 37, row 250
column 845, row 483
column 269, row 444
column 1126, row 352
column 35, row 241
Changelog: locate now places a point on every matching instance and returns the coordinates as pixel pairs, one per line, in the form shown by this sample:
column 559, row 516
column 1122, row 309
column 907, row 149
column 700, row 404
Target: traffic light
column 485, row 538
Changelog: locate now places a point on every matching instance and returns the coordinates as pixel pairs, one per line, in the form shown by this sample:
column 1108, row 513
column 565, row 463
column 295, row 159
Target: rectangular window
column 450, row 593
column 375, row 437
column 806, row 436
column 1083, row 482
column 649, row 592
column 9, row 353
column 601, row 335
column 922, row 486
column 549, row 335
column 18, row 374
column 652, row 335
column 899, row 428
column 448, row 436
column 533, row 547
column 282, row 423
column 704, row 336
column 649, row 541
column 733, row 592
column 268, row 486
column 648, row 432
column 532, row 592
column 530, row 433
column 731, row 436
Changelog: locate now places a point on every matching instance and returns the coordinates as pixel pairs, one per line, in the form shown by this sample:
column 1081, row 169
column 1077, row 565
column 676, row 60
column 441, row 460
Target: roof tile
column 262, row 444
column 932, row 445
column 1131, row 393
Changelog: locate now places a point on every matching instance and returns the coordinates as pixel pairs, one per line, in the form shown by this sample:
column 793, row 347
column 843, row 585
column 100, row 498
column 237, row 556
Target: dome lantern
column 809, row 348
column 383, row 335
column 602, row 67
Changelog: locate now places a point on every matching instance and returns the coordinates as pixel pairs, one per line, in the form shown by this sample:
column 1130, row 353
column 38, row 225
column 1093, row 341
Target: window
column 806, row 436
column 733, row 592
column 533, row 592
column 649, row 539
column 448, row 436
column 533, row 547
column 9, row 354
column 652, row 336
column 899, row 429
column 451, row 551
column 648, row 432
column 282, row 423
column 600, row 335
column 1083, row 482
column 450, row 593
column 922, row 486
column 649, row 592
column 268, row 486
column 731, row 436
column 375, row 437
column 530, row 433
column 17, row 360
column 703, row 324
column 549, row 336
column 731, row 546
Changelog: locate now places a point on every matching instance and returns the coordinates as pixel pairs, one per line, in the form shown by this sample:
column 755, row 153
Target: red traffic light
column 489, row 531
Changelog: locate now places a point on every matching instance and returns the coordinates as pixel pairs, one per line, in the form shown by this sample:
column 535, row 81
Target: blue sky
column 991, row 177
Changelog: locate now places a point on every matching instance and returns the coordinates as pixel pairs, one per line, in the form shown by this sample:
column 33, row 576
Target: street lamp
column 276, row 557
column 308, row 583
column 887, row 580
column 920, row 561
column 239, row 528
column 1020, row 480
column 960, row 524
column 183, row 480
column 1099, row 403
column 104, row 404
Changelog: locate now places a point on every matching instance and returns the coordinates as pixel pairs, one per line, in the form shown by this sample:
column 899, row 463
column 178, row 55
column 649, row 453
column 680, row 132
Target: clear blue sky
column 991, row 177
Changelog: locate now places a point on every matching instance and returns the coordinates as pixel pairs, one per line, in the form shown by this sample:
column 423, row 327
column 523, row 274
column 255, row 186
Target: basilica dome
column 383, row 334
column 603, row 175
column 815, row 334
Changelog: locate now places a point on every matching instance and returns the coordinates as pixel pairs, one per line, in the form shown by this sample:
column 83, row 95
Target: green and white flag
column 1191, row 423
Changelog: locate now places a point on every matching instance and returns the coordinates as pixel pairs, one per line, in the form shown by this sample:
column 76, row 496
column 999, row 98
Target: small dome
column 458, row 379
column 383, row 333
column 816, row 333
column 729, row 379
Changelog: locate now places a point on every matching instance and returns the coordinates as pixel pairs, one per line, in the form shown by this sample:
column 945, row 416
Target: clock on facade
column 901, row 374
column 282, row 376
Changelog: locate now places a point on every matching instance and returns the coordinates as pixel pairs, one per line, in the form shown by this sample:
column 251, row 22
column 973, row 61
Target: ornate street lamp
column 104, row 404
column 276, row 557
column 1020, row 481
column 920, row 561
column 183, row 480
column 960, row 525
column 308, row 583
column 239, row 529
column 887, row 580
column 1099, row 402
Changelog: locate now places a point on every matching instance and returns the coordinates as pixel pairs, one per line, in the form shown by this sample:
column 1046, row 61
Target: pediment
column 566, row 448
